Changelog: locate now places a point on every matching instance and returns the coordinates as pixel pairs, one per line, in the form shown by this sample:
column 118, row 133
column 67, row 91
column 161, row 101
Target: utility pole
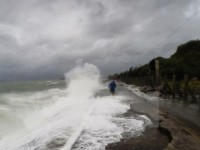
column 126, row 64
column 157, row 70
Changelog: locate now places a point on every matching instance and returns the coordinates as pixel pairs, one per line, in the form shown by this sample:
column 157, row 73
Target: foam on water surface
column 71, row 118
column 106, row 125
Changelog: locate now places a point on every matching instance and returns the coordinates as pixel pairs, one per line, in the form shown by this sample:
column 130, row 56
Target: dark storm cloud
column 45, row 38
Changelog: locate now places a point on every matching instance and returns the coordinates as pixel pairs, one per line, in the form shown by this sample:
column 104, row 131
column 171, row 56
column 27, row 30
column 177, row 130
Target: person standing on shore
column 112, row 87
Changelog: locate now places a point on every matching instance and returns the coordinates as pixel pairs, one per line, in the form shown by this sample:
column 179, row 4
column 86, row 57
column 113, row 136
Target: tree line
column 186, row 60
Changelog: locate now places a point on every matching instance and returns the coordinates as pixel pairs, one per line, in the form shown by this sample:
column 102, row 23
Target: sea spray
column 61, row 118
column 87, row 79
column 73, row 118
column 83, row 81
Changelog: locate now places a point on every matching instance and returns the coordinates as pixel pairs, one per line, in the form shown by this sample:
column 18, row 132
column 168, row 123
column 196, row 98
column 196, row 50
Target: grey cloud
column 45, row 38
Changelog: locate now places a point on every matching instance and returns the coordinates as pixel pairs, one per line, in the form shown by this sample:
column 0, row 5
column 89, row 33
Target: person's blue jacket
column 112, row 86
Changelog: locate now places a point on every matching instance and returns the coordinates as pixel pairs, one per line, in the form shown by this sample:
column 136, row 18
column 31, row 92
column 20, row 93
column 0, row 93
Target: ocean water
column 64, row 114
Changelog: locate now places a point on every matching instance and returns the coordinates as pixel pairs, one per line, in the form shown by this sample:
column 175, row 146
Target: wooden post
column 192, row 92
column 185, row 87
column 174, row 86
column 157, row 70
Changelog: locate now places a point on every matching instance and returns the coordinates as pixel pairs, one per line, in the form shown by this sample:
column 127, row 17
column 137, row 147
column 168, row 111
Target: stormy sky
column 45, row 38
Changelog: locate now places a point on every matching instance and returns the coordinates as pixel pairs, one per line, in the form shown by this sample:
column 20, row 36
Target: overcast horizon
column 43, row 39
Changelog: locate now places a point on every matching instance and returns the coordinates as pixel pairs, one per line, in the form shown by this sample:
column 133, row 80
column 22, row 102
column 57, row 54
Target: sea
column 77, row 113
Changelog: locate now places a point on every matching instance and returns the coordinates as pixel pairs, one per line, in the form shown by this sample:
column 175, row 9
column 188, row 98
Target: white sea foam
column 73, row 114
column 106, row 125
column 137, row 92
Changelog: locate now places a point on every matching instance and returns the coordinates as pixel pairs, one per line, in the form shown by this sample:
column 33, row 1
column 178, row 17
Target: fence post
column 174, row 86
column 157, row 69
column 185, row 87
column 192, row 92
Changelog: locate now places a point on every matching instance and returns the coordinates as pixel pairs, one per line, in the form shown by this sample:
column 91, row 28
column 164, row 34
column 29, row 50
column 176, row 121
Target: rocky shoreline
column 168, row 132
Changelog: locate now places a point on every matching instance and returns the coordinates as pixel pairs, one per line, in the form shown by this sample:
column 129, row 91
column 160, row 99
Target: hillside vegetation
column 186, row 60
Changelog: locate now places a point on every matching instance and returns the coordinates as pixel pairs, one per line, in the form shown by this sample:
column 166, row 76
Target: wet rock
column 146, row 89
column 159, row 88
